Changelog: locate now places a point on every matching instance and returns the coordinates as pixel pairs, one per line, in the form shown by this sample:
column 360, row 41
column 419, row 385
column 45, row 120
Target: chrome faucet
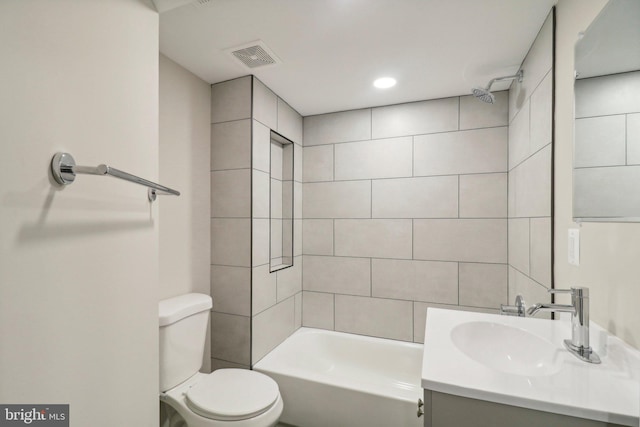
column 518, row 309
column 578, row 345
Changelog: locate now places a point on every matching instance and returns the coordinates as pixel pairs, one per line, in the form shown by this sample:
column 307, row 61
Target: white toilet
column 224, row 398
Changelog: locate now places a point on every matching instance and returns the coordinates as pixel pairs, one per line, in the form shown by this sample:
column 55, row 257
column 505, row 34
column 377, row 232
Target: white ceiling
column 332, row 50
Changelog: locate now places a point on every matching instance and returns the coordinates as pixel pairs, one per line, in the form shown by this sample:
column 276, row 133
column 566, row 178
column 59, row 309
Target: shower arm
column 517, row 76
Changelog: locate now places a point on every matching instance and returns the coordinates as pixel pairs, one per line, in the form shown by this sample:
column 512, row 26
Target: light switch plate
column 574, row 246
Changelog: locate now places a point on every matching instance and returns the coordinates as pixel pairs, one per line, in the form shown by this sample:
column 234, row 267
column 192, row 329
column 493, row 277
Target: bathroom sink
column 505, row 348
column 522, row 362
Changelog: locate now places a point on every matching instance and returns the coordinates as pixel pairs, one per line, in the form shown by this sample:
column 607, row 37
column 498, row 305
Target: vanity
column 486, row 370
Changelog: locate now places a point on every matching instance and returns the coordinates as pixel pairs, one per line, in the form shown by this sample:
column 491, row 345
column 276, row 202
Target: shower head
column 485, row 95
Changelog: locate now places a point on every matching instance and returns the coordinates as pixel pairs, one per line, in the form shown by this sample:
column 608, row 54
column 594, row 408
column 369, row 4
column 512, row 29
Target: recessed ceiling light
column 384, row 82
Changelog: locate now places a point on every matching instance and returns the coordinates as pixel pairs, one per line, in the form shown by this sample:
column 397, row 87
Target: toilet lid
column 232, row 395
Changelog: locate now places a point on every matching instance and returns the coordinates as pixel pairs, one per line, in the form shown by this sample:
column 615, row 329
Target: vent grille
column 202, row 3
column 254, row 55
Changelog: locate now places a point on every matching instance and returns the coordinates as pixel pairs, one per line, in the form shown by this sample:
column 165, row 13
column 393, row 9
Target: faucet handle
column 560, row 291
column 578, row 291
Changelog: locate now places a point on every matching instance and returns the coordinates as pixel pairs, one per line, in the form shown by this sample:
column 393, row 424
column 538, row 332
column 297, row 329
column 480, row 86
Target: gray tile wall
column 404, row 207
column 529, row 178
column 442, row 203
column 607, row 146
column 277, row 296
column 253, row 309
column 231, row 180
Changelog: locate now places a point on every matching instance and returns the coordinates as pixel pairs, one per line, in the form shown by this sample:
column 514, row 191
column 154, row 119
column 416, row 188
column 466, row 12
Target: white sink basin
column 522, row 362
column 505, row 348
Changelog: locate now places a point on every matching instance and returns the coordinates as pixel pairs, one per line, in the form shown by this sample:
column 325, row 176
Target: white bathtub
column 333, row 379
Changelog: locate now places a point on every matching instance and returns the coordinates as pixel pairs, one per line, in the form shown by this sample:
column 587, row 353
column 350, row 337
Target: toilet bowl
column 227, row 397
column 223, row 398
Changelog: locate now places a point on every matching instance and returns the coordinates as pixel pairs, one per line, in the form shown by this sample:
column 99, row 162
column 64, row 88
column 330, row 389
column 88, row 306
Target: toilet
column 223, row 398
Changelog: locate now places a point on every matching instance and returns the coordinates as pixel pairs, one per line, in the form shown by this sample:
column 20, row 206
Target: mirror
column 606, row 174
column 281, row 203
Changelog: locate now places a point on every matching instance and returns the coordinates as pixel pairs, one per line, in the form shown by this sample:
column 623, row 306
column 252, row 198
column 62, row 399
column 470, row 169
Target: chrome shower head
column 485, row 95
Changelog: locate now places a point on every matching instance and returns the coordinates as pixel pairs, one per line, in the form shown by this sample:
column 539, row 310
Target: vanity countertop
column 522, row 362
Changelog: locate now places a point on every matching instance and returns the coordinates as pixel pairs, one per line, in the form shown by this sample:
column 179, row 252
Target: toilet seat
column 232, row 395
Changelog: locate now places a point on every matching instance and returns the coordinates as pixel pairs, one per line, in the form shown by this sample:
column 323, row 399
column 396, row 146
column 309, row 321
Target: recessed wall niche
column 280, row 203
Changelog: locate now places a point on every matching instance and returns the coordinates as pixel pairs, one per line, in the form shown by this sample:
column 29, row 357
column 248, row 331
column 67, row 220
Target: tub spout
column 540, row 307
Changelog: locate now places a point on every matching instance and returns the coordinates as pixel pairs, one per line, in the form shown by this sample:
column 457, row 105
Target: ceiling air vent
column 253, row 55
column 202, row 3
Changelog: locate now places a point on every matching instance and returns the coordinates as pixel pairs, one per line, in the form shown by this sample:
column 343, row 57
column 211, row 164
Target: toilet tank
column 183, row 326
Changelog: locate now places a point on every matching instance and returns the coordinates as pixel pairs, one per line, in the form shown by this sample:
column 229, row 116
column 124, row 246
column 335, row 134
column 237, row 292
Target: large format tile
column 383, row 158
column 600, row 141
column 231, row 145
column 607, row 95
column 297, row 200
column 415, row 280
column 533, row 185
column 519, row 137
column 317, row 310
column 297, row 237
column 343, row 275
column 230, row 338
column 472, row 151
column 483, row 285
column 519, row 244
column 231, row 289
column 541, row 244
column 483, row 196
column 536, row 65
column 263, row 289
column 379, row 238
column 345, row 126
column 231, row 100
column 271, row 327
column 317, row 236
column 231, row 193
column 265, row 104
column 260, row 242
column 289, row 122
column 298, row 162
column 541, row 110
column 606, row 192
column 351, row 199
column 378, row 317
column 260, row 194
column 297, row 313
column 261, row 147
column 318, row 163
column 428, row 197
column 633, row 139
column 289, row 280
column 472, row 240
column 438, row 115
column 231, row 242
column 474, row 114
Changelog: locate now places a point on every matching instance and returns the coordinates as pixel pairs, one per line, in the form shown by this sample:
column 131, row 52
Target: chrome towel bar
column 64, row 170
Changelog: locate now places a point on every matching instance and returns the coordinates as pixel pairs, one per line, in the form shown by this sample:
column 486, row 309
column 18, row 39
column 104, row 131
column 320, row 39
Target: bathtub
column 332, row 379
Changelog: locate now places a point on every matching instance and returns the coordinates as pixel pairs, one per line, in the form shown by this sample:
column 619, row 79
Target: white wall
column 79, row 265
column 609, row 252
column 185, row 147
